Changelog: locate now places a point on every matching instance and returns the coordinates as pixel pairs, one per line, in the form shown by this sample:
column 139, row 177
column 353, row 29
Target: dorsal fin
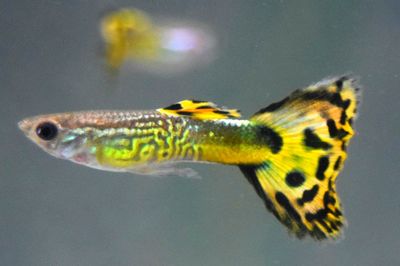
column 199, row 110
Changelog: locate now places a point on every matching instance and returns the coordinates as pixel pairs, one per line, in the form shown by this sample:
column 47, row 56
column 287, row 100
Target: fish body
column 125, row 140
column 290, row 151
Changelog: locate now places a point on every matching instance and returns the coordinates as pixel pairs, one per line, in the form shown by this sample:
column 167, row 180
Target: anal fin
column 164, row 170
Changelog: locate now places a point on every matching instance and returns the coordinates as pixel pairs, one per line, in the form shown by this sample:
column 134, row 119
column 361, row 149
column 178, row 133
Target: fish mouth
column 25, row 126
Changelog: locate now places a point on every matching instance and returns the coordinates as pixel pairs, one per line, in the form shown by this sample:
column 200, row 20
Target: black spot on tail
column 322, row 95
column 336, row 99
column 338, row 163
column 313, row 141
column 295, row 179
column 342, row 133
column 330, row 184
column 337, row 213
column 343, row 118
column 344, row 146
column 267, row 135
column 285, row 203
column 333, row 226
column 334, row 132
column 326, row 226
column 308, row 195
column 319, row 215
column 273, row 107
column 339, row 83
column 328, row 199
column 346, row 104
column 323, row 164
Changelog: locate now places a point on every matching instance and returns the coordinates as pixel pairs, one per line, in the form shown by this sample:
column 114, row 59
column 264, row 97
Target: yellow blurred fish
column 130, row 34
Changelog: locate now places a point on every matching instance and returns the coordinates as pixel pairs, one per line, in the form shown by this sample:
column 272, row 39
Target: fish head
column 124, row 25
column 58, row 135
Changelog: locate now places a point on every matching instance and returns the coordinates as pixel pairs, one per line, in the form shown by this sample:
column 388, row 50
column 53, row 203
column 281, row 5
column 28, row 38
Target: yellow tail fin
column 298, row 183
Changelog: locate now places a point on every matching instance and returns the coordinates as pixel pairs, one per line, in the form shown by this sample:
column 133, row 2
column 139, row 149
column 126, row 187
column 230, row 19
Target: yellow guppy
column 129, row 33
column 171, row 46
column 290, row 151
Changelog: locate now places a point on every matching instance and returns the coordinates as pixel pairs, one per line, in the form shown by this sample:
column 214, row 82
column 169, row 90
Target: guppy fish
column 167, row 46
column 290, row 151
column 128, row 32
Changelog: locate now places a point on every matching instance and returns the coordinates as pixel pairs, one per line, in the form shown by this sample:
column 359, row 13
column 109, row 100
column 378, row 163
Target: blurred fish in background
column 160, row 46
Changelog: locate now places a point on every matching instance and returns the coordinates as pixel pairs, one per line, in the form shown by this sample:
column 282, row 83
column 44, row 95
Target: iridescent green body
column 146, row 141
column 129, row 139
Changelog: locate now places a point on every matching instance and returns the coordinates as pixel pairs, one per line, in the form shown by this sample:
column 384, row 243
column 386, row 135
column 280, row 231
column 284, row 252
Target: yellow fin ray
column 297, row 182
column 199, row 110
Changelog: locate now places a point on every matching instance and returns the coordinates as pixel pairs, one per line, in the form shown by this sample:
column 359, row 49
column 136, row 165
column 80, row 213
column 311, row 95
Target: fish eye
column 46, row 131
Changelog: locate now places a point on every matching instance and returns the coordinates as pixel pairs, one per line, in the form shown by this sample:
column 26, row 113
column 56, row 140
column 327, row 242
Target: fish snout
column 25, row 125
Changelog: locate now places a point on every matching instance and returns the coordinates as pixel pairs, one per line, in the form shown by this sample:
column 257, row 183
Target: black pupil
column 46, row 131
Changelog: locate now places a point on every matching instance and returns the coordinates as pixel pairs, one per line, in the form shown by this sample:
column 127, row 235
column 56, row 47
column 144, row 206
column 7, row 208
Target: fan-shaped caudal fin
column 297, row 183
column 199, row 110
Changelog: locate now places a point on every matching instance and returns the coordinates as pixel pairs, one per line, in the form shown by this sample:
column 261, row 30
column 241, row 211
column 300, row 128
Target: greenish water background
column 53, row 212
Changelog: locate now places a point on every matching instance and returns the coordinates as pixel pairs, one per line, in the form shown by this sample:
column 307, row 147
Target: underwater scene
column 200, row 132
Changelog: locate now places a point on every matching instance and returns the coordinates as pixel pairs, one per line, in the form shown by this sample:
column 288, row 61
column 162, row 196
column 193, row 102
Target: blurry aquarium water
column 52, row 60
